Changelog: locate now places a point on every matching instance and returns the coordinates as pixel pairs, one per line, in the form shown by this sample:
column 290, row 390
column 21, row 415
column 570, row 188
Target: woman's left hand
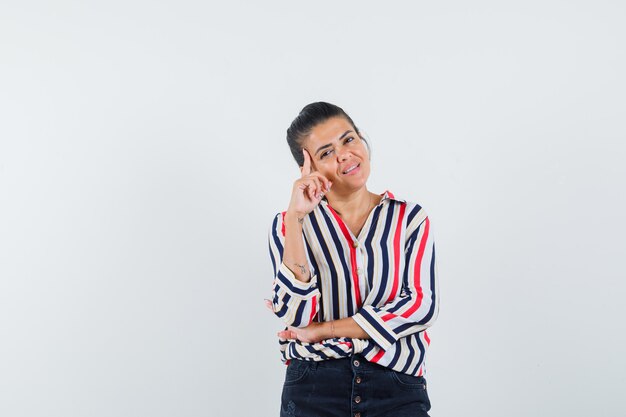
column 312, row 333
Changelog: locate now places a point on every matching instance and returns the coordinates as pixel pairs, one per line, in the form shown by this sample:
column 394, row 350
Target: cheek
column 365, row 165
column 331, row 175
column 326, row 170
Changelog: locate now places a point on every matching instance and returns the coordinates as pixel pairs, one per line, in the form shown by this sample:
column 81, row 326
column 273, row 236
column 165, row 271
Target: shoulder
column 413, row 211
column 415, row 215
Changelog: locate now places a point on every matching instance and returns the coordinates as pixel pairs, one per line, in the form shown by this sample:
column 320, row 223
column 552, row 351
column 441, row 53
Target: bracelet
column 332, row 329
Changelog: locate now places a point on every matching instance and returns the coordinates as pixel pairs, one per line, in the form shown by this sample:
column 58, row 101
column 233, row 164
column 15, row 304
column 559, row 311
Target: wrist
column 328, row 330
column 294, row 217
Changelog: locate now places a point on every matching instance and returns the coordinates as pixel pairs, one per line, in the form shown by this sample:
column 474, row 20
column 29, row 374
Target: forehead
column 328, row 131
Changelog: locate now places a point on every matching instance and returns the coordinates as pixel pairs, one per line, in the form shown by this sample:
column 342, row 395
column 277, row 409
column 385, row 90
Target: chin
column 357, row 184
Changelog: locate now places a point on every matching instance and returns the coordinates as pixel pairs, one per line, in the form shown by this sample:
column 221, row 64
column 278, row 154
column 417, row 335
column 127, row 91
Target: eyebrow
column 329, row 144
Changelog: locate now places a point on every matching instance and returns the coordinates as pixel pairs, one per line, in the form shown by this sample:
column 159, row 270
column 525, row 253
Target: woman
column 355, row 281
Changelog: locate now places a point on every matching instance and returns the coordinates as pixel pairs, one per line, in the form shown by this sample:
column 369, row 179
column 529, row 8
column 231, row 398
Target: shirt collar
column 387, row 195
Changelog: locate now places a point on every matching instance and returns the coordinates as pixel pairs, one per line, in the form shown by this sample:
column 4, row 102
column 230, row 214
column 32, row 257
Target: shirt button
column 355, row 244
column 358, row 380
column 359, row 271
column 357, row 399
column 356, row 363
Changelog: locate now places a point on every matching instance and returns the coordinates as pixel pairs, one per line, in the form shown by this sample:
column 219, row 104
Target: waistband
column 354, row 362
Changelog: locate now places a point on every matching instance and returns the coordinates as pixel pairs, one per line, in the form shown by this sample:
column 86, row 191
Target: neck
column 350, row 204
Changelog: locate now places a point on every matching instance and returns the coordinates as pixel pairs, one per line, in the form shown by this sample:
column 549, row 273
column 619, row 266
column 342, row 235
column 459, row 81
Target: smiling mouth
column 352, row 168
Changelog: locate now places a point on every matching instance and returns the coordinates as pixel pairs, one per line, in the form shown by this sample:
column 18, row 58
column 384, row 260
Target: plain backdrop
column 143, row 157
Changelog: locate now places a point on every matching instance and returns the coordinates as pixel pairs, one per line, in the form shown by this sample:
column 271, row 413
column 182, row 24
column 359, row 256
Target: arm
column 296, row 297
column 318, row 331
column 294, row 300
column 294, row 255
column 416, row 306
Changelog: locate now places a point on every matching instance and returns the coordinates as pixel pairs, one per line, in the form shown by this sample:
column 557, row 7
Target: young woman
column 355, row 281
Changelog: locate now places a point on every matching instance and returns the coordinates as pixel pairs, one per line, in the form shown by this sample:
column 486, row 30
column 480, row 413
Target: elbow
column 295, row 312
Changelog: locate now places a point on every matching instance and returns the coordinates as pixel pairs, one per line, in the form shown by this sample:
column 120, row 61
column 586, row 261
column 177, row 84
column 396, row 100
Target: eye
column 349, row 139
column 325, row 153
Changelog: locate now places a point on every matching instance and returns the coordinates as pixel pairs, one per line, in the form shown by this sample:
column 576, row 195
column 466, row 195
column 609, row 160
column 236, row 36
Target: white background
column 143, row 157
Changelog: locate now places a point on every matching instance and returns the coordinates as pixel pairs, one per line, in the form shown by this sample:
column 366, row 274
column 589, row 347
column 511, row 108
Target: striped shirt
column 385, row 279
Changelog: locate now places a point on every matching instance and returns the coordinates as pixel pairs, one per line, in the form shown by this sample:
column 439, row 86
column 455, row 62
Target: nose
column 342, row 155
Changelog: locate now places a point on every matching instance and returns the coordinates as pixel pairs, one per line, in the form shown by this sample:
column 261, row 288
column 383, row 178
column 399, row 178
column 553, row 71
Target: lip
column 354, row 171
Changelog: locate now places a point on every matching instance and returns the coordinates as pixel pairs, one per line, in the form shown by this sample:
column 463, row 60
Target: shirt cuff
column 375, row 327
column 293, row 286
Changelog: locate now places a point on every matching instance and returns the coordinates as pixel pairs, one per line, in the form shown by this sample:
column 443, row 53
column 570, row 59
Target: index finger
column 306, row 167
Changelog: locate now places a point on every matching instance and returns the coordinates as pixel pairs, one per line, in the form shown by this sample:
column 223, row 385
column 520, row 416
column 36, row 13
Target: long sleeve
column 416, row 306
column 294, row 301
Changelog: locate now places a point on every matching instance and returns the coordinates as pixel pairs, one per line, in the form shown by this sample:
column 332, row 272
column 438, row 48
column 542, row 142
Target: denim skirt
column 351, row 387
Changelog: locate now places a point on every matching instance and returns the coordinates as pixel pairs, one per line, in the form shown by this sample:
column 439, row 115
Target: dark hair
column 310, row 116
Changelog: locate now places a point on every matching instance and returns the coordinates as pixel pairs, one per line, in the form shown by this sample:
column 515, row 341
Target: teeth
column 350, row 169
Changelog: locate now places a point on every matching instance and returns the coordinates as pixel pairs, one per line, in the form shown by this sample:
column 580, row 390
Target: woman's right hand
column 308, row 190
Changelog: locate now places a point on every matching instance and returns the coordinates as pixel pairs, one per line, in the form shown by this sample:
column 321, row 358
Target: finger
column 310, row 189
column 318, row 186
column 306, row 168
column 287, row 335
column 292, row 332
column 318, row 182
column 306, row 185
column 327, row 183
column 302, row 184
column 269, row 305
column 315, row 187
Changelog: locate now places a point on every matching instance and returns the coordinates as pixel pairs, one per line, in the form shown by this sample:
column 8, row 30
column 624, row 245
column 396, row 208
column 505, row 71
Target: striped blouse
column 385, row 279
